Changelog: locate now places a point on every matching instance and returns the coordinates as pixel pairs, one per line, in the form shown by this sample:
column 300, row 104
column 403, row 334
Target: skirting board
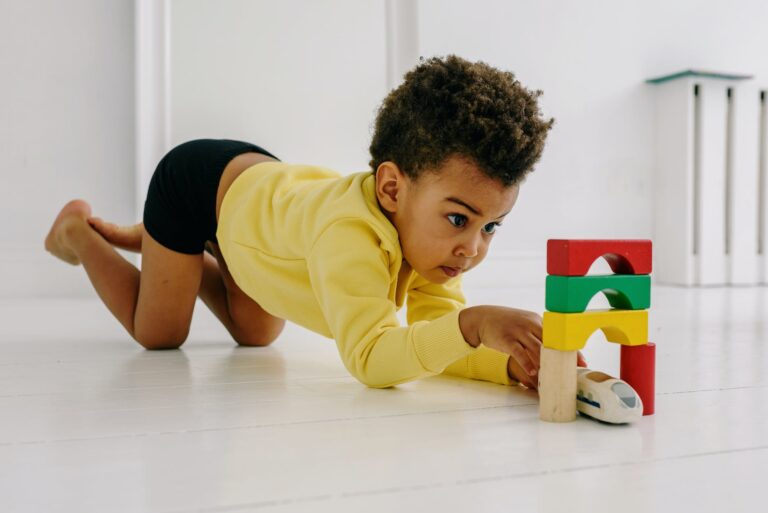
column 27, row 273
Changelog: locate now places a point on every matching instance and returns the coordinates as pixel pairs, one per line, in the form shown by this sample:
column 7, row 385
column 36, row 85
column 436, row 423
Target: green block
column 571, row 294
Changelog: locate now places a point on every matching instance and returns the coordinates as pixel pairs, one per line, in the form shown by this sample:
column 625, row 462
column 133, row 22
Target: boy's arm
column 485, row 364
column 427, row 301
column 350, row 274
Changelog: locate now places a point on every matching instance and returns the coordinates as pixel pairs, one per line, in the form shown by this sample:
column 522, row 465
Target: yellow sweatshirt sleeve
column 351, row 277
column 485, row 364
column 427, row 301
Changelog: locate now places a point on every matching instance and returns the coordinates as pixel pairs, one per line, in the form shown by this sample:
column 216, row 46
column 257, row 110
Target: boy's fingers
column 523, row 359
column 533, row 346
column 518, row 373
column 537, row 331
column 532, row 382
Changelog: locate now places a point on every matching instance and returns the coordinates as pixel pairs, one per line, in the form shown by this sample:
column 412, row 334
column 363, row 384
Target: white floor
column 91, row 422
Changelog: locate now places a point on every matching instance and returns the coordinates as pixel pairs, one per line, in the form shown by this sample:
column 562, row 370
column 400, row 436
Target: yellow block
column 570, row 331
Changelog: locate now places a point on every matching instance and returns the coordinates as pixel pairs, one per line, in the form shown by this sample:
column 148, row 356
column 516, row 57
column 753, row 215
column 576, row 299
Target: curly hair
column 450, row 106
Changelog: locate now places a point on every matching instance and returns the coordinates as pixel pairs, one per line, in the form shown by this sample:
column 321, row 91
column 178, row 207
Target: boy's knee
column 162, row 346
column 154, row 342
column 254, row 339
column 259, row 336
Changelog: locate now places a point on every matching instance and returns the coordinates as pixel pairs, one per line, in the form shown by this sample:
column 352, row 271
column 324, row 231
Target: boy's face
column 446, row 219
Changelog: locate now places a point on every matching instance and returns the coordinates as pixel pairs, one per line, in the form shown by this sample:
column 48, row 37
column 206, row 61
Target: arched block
column 574, row 257
column 570, row 294
column 570, row 331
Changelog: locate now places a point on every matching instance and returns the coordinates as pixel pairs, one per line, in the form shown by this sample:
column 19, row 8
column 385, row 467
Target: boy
column 337, row 254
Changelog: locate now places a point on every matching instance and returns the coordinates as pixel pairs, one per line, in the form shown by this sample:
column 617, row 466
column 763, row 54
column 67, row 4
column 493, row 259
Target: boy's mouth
column 451, row 271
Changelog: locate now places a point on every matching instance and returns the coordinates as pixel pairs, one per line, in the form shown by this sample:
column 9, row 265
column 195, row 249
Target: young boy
column 337, row 254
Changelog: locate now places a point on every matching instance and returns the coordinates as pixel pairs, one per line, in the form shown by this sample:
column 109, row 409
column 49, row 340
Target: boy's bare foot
column 124, row 237
column 76, row 211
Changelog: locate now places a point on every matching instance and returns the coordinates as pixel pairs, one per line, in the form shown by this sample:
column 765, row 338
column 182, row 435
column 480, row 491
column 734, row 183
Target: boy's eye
column 490, row 227
column 457, row 220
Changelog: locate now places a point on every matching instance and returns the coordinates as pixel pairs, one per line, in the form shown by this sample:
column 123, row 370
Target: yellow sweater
column 313, row 247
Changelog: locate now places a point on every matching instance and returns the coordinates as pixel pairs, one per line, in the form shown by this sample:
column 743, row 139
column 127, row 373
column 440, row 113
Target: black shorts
column 180, row 209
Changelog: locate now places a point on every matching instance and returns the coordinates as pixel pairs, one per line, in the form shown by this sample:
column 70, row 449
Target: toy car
column 606, row 398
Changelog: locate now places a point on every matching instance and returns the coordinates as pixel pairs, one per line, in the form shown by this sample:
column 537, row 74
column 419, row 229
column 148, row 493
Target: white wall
column 304, row 78
column 590, row 58
column 307, row 76
column 301, row 78
column 66, row 130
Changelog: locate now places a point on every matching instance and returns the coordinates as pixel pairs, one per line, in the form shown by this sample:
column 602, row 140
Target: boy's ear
column 389, row 182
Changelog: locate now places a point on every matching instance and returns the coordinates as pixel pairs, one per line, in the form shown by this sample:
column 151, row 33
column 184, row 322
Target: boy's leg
column 155, row 305
column 245, row 320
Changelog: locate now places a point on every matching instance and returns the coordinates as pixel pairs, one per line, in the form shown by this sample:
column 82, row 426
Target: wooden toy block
column 570, row 331
column 638, row 369
column 557, row 385
column 570, row 294
column 573, row 257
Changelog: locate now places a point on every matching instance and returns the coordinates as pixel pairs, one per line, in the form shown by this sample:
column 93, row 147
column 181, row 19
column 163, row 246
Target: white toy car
column 606, row 398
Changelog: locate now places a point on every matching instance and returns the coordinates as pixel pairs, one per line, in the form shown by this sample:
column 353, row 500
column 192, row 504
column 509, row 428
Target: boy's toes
column 124, row 237
column 105, row 229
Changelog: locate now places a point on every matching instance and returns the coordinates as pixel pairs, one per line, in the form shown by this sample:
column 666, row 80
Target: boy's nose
column 469, row 247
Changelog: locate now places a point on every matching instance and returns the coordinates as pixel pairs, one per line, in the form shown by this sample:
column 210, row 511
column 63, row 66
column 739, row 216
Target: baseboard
column 29, row 273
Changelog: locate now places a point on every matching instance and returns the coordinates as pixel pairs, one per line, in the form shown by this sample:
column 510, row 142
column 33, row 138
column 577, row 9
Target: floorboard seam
column 463, row 482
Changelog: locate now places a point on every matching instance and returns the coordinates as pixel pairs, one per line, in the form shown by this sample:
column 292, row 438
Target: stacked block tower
column 568, row 325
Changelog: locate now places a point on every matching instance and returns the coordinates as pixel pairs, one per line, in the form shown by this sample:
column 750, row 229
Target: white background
column 304, row 78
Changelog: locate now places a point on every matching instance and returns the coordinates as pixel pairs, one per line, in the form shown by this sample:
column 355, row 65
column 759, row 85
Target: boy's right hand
column 508, row 330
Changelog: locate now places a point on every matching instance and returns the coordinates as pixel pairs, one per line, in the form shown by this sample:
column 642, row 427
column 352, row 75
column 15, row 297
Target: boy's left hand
column 517, row 373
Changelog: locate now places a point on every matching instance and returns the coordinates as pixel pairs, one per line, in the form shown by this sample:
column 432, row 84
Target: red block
column 573, row 257
column 638, row 369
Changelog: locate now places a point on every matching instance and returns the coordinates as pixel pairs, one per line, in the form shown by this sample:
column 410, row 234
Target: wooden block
column 557, row 385
column 570, row 331
column 638, row 368
column 569, row 294
column 573, row 257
